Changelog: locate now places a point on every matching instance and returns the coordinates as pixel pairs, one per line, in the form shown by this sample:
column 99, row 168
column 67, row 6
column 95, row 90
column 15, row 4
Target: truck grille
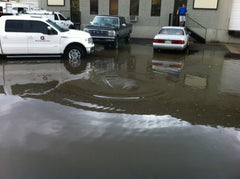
column 98, row 32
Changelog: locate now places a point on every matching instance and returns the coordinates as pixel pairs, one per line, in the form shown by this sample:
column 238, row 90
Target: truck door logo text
column 42, row 39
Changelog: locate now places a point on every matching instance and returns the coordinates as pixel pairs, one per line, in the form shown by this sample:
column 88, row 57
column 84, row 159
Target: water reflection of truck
column 7, row 8
column 31, row 78
column 56, row 17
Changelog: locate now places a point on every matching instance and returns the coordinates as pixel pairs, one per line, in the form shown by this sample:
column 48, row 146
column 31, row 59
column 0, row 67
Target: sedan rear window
column 171, row 32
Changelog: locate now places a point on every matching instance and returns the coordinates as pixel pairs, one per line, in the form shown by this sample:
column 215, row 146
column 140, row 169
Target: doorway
column 75, row 13
column 177, row 4
column 113, row 7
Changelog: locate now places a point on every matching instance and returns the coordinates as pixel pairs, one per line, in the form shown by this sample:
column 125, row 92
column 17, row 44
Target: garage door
column 234, row 24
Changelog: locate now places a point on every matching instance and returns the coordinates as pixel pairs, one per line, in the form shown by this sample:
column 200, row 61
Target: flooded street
column 127, row 113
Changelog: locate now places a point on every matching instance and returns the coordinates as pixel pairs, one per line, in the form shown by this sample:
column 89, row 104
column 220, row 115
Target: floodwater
column 127, row 113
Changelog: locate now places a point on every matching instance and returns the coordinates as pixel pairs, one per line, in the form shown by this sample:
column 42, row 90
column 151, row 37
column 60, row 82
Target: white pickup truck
column 20, row 35
column 56, row 17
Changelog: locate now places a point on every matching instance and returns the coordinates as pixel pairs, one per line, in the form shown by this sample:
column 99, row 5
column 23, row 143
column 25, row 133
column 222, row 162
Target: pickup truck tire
column 74, row 53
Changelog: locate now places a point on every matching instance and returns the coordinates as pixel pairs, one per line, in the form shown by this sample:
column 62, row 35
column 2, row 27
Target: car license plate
column 167, row 41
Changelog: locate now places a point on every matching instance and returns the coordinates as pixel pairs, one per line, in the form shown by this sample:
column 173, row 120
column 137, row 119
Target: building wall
column 64, row 9
column 147, row 26
column 34, row 3
column 215, row 21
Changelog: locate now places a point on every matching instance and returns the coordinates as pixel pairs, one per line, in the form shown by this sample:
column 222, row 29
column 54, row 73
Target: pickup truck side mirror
column 51, row 31
column 91, row 22
column 124, row 25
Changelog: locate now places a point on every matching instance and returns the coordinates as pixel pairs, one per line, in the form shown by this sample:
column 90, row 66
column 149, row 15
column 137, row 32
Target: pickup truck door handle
column 5, row 37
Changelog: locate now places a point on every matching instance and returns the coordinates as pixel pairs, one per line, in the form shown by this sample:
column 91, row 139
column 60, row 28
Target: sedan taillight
column 177, row 41
column 171, row 41
column 158, row 41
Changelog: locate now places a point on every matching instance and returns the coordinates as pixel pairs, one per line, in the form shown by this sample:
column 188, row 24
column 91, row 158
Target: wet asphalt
column 126, row 113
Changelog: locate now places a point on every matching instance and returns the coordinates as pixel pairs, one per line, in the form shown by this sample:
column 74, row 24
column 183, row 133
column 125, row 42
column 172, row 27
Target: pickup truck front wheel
column 74, row 53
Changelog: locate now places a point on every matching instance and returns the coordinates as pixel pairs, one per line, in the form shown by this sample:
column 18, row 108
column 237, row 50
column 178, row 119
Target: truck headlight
column 111, row 32
column 86, row 30
column 90, row 40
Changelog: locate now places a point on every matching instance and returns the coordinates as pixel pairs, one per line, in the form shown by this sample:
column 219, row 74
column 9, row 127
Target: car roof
column 108, row 16
column 23, row 17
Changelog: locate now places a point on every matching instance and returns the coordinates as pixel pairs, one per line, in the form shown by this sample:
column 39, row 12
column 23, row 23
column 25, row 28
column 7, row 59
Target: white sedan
column 171, row 38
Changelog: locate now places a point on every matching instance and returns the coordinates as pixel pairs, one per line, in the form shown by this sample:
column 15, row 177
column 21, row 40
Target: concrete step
column 233, row 48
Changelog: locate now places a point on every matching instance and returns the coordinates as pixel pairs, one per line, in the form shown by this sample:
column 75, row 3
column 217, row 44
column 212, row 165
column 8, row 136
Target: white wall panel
column 234, row 23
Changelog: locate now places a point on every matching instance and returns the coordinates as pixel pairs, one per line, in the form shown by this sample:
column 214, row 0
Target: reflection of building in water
column 104, row 64
column 117, row 82
column 195, row 81
column 111, row 71
column 230, row 77
column 106, row 72
column 116, row 60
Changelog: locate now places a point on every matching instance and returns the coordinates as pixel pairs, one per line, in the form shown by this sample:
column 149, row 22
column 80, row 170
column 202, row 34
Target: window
column 156, row 7
column 75, row 12
column 134, row 7
column 55, row 2
column 171, row 32
column 55, row 17
column 122, row 20
column 113, row 10
column 16, row 26
column 56, row 26
column 93, row 6
column 38, row 27
column 205, row 4
column 26, row 26
column 62, row 18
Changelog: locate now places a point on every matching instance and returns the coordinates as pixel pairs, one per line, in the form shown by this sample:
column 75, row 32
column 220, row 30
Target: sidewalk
column 234, row 49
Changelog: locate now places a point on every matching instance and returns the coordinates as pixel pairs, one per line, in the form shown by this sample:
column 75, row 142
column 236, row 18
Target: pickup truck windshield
column 105, row 21
column 56, row 26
